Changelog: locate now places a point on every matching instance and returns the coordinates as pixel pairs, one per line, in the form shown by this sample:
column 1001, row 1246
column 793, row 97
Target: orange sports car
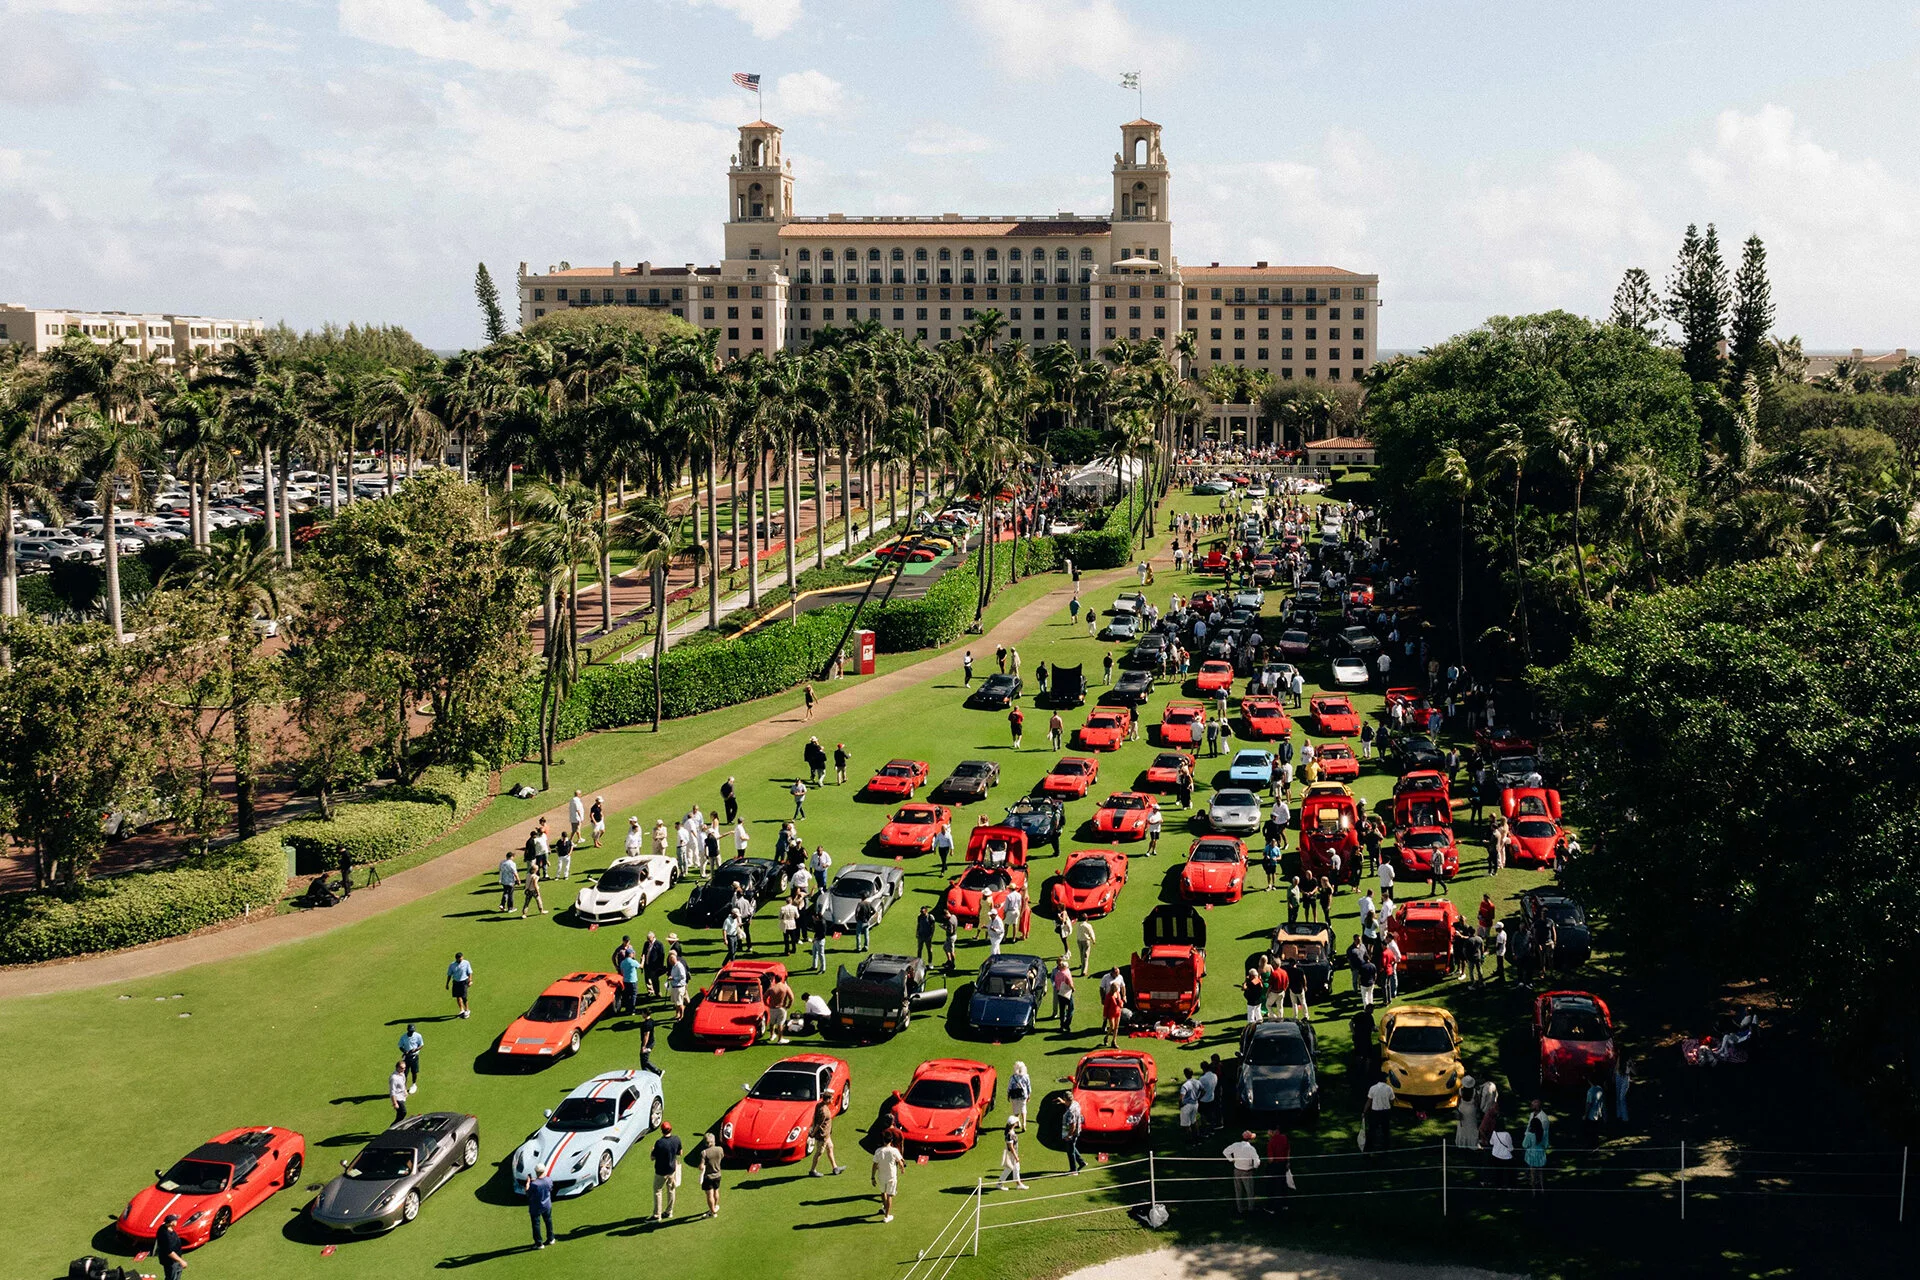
column 560, row 1017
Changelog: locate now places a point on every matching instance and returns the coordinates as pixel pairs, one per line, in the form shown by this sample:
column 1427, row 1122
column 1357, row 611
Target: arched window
column 966, row 255
column 1140, row 150
column 993, row 255
column 946, row 255
column 1060, row 255
column 806, row 255
column 899, row 255
column 873, row 255
column 758, row 154
column 1013, row 254
column 1086, row 255
column 919, row 255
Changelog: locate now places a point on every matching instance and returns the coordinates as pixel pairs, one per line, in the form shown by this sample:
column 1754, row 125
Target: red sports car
column 1424, row 929
column 941, row 1111
column 1417, row 847
column 1214, row 676
column 1115, row 1088
column 1329, row 826
column 1265, row 718
column 1183, row 724
column 1502, row 742
column 987, row 883
column 1423, row 780
column 1360, row 594
column 1105, row 729
column 1334, row 716
column 1533, row 819
column 898, row 778
column 733, row 1010
column 770, row 1124
column 1071, row 777
column 1215, row 870
column 1403, row 696
column 1164, row 771
column 914, row 827
column 561, row 1016
column 1091, row 881
column 1171, row 963
column 1421, row 809
column 1124, row 815
column 216, row 1183
column 1337, row 762
column 1575, row 1031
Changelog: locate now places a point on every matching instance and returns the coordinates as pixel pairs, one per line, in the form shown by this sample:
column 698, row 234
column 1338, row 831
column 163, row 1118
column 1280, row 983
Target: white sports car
column 1349, row 672
column 589, row 1133
column 625, row 888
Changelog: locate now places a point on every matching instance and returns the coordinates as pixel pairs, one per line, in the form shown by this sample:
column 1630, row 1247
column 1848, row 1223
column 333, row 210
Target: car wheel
column 410, row 1207
column 470, row 1154
column 292, row 1175
column 656, row 1114
column 606, row 1166
column 221, row 1221
column 846, row 1097
column 573, row 1044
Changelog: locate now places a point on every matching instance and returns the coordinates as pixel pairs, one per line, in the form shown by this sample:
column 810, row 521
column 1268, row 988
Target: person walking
column 460, row 981
column 1466, row 1116
column 995, row 925
column 1063, row 994
column 1056, row 729
column 1378, row 1116
column 863, row 918
column 1010, row 1156
column 1245, row 1159
column 943, row 844
column 885, row 1177
column 1113, row 1001
column 410, row 1045
column 1015, row 913
column 840, row 759
column 1073, row 1122
column 789, row 926
column 540, row 1206
column 677, row 979
column 1498, row 945
column 397, row 1091
column 821, row 1131
column 666, row 1172
column 1154, row 825
column 1534, row 1148
column 629, row 981
column 950, row 933
column 799, row 793
column 729, row 799
column 653, row 963
column 1019, row 1091
column 1083, row 939
column 647, row 1033
column 597, row 813
column 576, row 815
column 169, row 1250
column 712, row 1157
column 808, row 698
column 1106, row 660
column 966, row 669
column 1016, row 721
column 530, row 896
column 509, row 881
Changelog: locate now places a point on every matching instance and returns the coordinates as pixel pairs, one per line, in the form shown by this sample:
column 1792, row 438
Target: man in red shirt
column 1015, row 721
column 1390, row 968
column 1486, row 915
column 1279, row 1169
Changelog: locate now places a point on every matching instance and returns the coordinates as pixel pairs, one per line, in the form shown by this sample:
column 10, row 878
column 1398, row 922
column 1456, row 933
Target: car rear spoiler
column 1174, row 925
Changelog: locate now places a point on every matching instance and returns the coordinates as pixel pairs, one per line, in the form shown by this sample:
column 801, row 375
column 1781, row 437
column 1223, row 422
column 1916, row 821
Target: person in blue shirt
column 540, row 1206
column 460, row 981
column 630, row 981
column 410, row 1045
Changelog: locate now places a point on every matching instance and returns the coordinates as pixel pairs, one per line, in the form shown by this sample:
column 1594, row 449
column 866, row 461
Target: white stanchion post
column 1153, row 1193
column 979, row 1191
column 1443, row 1177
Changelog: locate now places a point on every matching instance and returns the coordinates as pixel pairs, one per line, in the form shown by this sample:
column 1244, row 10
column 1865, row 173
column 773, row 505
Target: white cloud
column 765, row 18
column 939, row 139
column 803, row 94
column 1036, row 37
column 39, row 64
column 13, row 164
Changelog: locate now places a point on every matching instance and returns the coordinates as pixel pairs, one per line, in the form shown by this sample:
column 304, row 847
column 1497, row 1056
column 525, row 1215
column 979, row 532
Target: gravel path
column 1258, row 1262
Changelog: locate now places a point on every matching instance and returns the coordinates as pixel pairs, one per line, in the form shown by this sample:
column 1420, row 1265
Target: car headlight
column 726, row 1132
column 1453, row 1079
column 195, row 1216
column 957, row 1131
column 1395, row 1075
column 793, row 1134
column 1135, row 1117
column 579, row 1161
column 384, row 1203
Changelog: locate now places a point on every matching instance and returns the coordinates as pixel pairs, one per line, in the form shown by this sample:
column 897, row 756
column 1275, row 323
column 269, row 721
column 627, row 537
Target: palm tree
column 242, row 577
column 1449, row 474
column 112, row 452
column 30, row 476
column 1652, row 506
column 1510, row 450
column 650, row 533
column 1581, row 453
column 561, row 533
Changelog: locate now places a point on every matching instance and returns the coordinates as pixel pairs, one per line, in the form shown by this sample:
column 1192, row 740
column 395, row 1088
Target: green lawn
column 303, row 1036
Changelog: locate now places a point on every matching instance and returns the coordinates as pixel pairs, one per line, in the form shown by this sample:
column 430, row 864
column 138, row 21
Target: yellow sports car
column 1420, row 1049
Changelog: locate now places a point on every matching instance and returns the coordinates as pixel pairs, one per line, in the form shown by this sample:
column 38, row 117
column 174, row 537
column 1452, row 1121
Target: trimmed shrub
column 461, row 790
column 372, row 832
column 126, row 911
column 1107, row 545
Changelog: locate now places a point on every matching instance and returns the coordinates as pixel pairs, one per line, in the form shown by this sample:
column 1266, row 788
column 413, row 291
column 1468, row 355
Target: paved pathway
column 481, row 856
column 1263, row 1262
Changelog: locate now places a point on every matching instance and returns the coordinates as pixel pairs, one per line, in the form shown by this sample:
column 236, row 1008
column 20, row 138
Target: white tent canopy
column 1105, row 475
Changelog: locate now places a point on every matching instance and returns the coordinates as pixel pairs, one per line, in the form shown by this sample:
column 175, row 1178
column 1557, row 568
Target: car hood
column 1119, row 819
column 889, row 783
column 904, row 833
column 839, row 910
column 1276, row 1087
column 346, row 1199
column 1587, row 1053
column 1109, row 1109
column 522, row 1036
column 710, row 1019
column 1210, row 875
column 999, row 1011
column 591, row 899
column 758, row 1123
column 1423, row 1073
column 558, row 1155
column 927, row 1123
column 1233, row 813
column 149, row 1207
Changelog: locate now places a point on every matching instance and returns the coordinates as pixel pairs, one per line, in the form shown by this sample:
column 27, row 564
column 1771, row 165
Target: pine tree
column 1636, row 306
column 1697, row 299
column 483, row 289
column 1747, row 349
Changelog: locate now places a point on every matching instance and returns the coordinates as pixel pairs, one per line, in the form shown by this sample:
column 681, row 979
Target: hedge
column 371, row 831
column 125, row 911
column 1108, row 547
column 461, row 790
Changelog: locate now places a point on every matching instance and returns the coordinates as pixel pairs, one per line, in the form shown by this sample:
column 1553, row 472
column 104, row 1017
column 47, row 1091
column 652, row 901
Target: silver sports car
column 1234, row 811
column 383, row 1186
column 858, row 883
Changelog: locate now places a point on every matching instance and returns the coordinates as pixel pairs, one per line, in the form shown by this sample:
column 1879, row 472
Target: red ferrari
column 733, row 1010
column 770, row 1124
column 1104, row 730
column 1214, row 676
column 1265, row 718
column 1533, row 819
column 1330, row 826
column 1071, row 777
column 212, row 1185
column 997, row 858
column 1334, row 716
column 1424, row 929
column 914, row 827
column 1417, row 847
column 898, row 778
column 1124, row 815
column 1171, row 963
column 1215, row 870
column 1421, row 809
column 1423, row 780
column 1115, row 1088
column 1183, row 724
column 1164, row 771
column 941, row 1111
column 1337, row 762
column 561, row 1016
column 1575, row 1031
column 1091, row 881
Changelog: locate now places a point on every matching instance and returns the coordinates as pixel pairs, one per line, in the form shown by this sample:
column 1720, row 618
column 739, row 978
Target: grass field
column 113, row 1082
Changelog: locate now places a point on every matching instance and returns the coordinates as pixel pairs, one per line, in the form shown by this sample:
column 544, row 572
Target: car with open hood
column 1329, row 827
column 1420, row 1051
column 1124, row 815
column 1071, row 776
column 970, row 780
column 1171, row 964
column 942, row 1108
column 1575, row 1034
column 1334, row 716
column 1533, row 819
column 1215, row 869
column 733, row 1008
column 996, row 866
column 1006, row 995
column 898, row 778
column 761, row 879
column 770, row 1125
column 880, row 996
column 560, row 1017
column 1278, row 1077
column 215, row 1185
column 858, row 884
column 1090, row 883
column 913, row 827
column 626, row 888
column 1115, row 1089
column 385, row 1184
column 584, row 1139
column 1425, row 929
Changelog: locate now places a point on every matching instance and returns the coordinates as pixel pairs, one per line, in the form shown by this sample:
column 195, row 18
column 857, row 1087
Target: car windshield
column 1535, row 829
column 972, row 769
column 195, row 1178
column 619, row 878
column 1424, row 839
column 1293, row 637
column 1420, row 1037
column 736, row 993
column 1126, row 802
column 731, row 875
column 1181, row 715
column 1006, row 984
column 554, row 1009
column 576, row 1115
column 1071, row 768
column 381, row 1162
column 916, row 817
column 1336, row 752
column 854, row 887
column 1168, row 761
column 1103, row 722
column 1234, row 800
column 1089, row 873
column 897, row 771
column 1000, row 682
column 1253, row 760
column 1278, row 1051
column 1303, row 953
column 1566, row 912
column 1102, row 1077
column 939, row 1095
column 1215, row 851
column 1576, row 1023
column 786, row 1086
column 984, row 879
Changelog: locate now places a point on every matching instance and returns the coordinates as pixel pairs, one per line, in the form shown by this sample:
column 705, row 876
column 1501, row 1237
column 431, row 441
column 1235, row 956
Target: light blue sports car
column 1252, row 766
column 590, row 1132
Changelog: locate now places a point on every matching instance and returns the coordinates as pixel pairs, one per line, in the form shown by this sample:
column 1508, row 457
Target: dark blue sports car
column 1006, row 995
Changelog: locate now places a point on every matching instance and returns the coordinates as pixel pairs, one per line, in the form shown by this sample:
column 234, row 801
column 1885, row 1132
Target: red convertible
column 1115, row 1088
column 1124, row 815
column 1575, row 1031
column 562, row 1014
column 1090, row 883
column 914, row 827
column 1337, row 762
column 1071, row 777
column 1334, row 716
column 1533, row 818
column 770, row 1125
column 1265, row 718
column 216, row 1183
column 997, row 865
column 1215, row 870
column 941, row 1111
column 898, row 778
column 1105, row 729
column 1214, row 676
column 1171, row 963
column 1183, row 724
column 733, row 1010
column 1164, row 771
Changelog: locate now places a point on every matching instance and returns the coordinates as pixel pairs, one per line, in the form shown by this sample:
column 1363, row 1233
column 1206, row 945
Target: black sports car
column 1131, row 689
column 1043, row 818
column 1006, row 995
column 1572, row 938
column 383, row 1186
column 763, row 879
column 1415, row 752
column 1277, row 1073
column 880, row 996
column 969, row 780
column 1147, row 652
column 997, row 692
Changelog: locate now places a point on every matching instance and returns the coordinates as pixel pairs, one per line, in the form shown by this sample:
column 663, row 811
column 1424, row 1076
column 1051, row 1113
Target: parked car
column 943, row 1106
column 385, row 1184
column 1006, row 995
column 861, row 884
column 1277, row 1076
column 215, row 1185
column 626, row 888
column 881, row 995
column 969, row 780
column 584, row 1139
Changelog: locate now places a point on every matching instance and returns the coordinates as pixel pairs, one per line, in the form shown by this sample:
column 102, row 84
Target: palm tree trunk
column 819, row 500
column 790, row 496
column 693, row 499
column 286, row 513
column 713, row 540
column 509, row 497
column 546, row 731
column 386, row 448
column 846, row 500
column 733, row 498
column 244, row 821
column 9, row 566
column 606, row 565
column 112, row 534
column 658, row 582
column 1579, row 556
column 570, row 615
column 754, row 465
column 266, row 484
column 465, row 435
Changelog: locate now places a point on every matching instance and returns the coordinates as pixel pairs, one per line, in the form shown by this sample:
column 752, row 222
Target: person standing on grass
column 1056, row 729
column 576, row 815
column 966, row 670
column 677, row 981
column 666, row 1172
column 1378, row 1116
column 1084, row 938
column 1019, row 1091
column 410, row 1045
column 799, row 792
column 712, row 1157
column 950, row 933
column 887, row 1162
column 1113, row 1000
column 729, row 800
column 1063, row 995
column 1073, row 1122
column 530, row 896
column 540, row 1207
column 943, row 844
column 1153, row 831
column 629, row 982
column 1245, row 1159
column 1010, row 1156
column 647, row 1033
column 509, row 881
column 840, row 759
column 397, row 1091
column 1016, row 721
column 169, row 1250
column 653, row 962
column 790, row 925
column 808, row 698
column 821, row 1131
column 598, row 813
column 460, row 981
column 563, row 855
column 923, row 928
column 1534, row 1149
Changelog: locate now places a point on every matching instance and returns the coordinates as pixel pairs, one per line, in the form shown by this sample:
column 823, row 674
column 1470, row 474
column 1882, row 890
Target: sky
column 352, row 160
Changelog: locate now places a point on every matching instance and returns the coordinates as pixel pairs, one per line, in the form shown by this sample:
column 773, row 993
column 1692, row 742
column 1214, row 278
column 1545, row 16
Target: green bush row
column 461, row 790
column 1109, row 545
column 372, row 831
column 125, row 911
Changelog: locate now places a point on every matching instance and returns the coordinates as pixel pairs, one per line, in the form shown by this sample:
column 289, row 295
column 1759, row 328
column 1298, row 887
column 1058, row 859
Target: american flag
column 747, row 81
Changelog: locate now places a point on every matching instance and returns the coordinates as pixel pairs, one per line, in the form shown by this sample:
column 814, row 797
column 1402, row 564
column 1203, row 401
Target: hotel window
column 899, row 275
column 733, row 335
column 1215, row 294
column 1333, row 334
column 921, row 334
column 1310, row 354
column 1286, row 353
column 1262, row 335
column 706, row 313
column 1333, row 375
column 1193, row 313
column 1261, row 355
column 1359, row 334
column 1112, row 313
column 1359, row 354
column 1263, row 313
column 1214, row 334
column 899, row 295
column 1286, row 313
column 966, row 255
column 1312, row 333
column 1239, row 335
column 1286, row 375
column 806, row 255
column 733, row 313
column 733, row 353
column 919, row 255
column 1133, row 291
column 633, row 295
column 1334, row 294
column 1214, row 314
column 1311, row 374
column 1286, row 295
column 706, row 291
column 1359, row 313
column 1359, row 292
column 676, row 295
column 538, row 312
column 806, row 313
column 1159, row 291
column 946, row 275
column 1086, row 313
column 1159, row 313
column 560, row 294
column 1014, row 314
column 1134, row 332
column 756, row 335
column 966, row 295
column 1239, row 353
column 758, row 313
column 966, row 313
column 946, row 255
column 1086, row 255
column 1133, row 313
column 945, row 334
column 919, row 275
column 1159, row 331
column 946, row 313
column 733, row 291
column 1213, row 353
column 539, row 295
column 826, row 314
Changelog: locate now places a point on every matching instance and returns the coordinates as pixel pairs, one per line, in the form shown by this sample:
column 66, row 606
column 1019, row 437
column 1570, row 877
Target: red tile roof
column 947, row 230
column 1348, row 443
column 1292, row 273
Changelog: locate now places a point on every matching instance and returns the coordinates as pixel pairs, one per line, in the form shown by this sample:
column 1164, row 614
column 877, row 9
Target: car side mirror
column 157, row 1175
column 343, row 1164
column 746, row 1088
column 549, row 1113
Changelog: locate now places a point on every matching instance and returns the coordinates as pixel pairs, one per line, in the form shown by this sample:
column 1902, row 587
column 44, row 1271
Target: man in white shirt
column 996, row 930
column 659, row 836
column 1012, row 913
column 740, row 839
column 1245, row 1158
column 1209, row 1089
column 822, row 863
column 683, row 849
column 1386, row 877
column 576, row 816
column 397, row 1091
column 1378, row 1116
column 635, row 839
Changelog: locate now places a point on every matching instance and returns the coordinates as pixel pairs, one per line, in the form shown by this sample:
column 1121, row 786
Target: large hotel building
column 1059, row 277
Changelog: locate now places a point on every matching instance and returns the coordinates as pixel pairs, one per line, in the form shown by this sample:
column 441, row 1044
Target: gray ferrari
column 383, row 1186
column 862, row 882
